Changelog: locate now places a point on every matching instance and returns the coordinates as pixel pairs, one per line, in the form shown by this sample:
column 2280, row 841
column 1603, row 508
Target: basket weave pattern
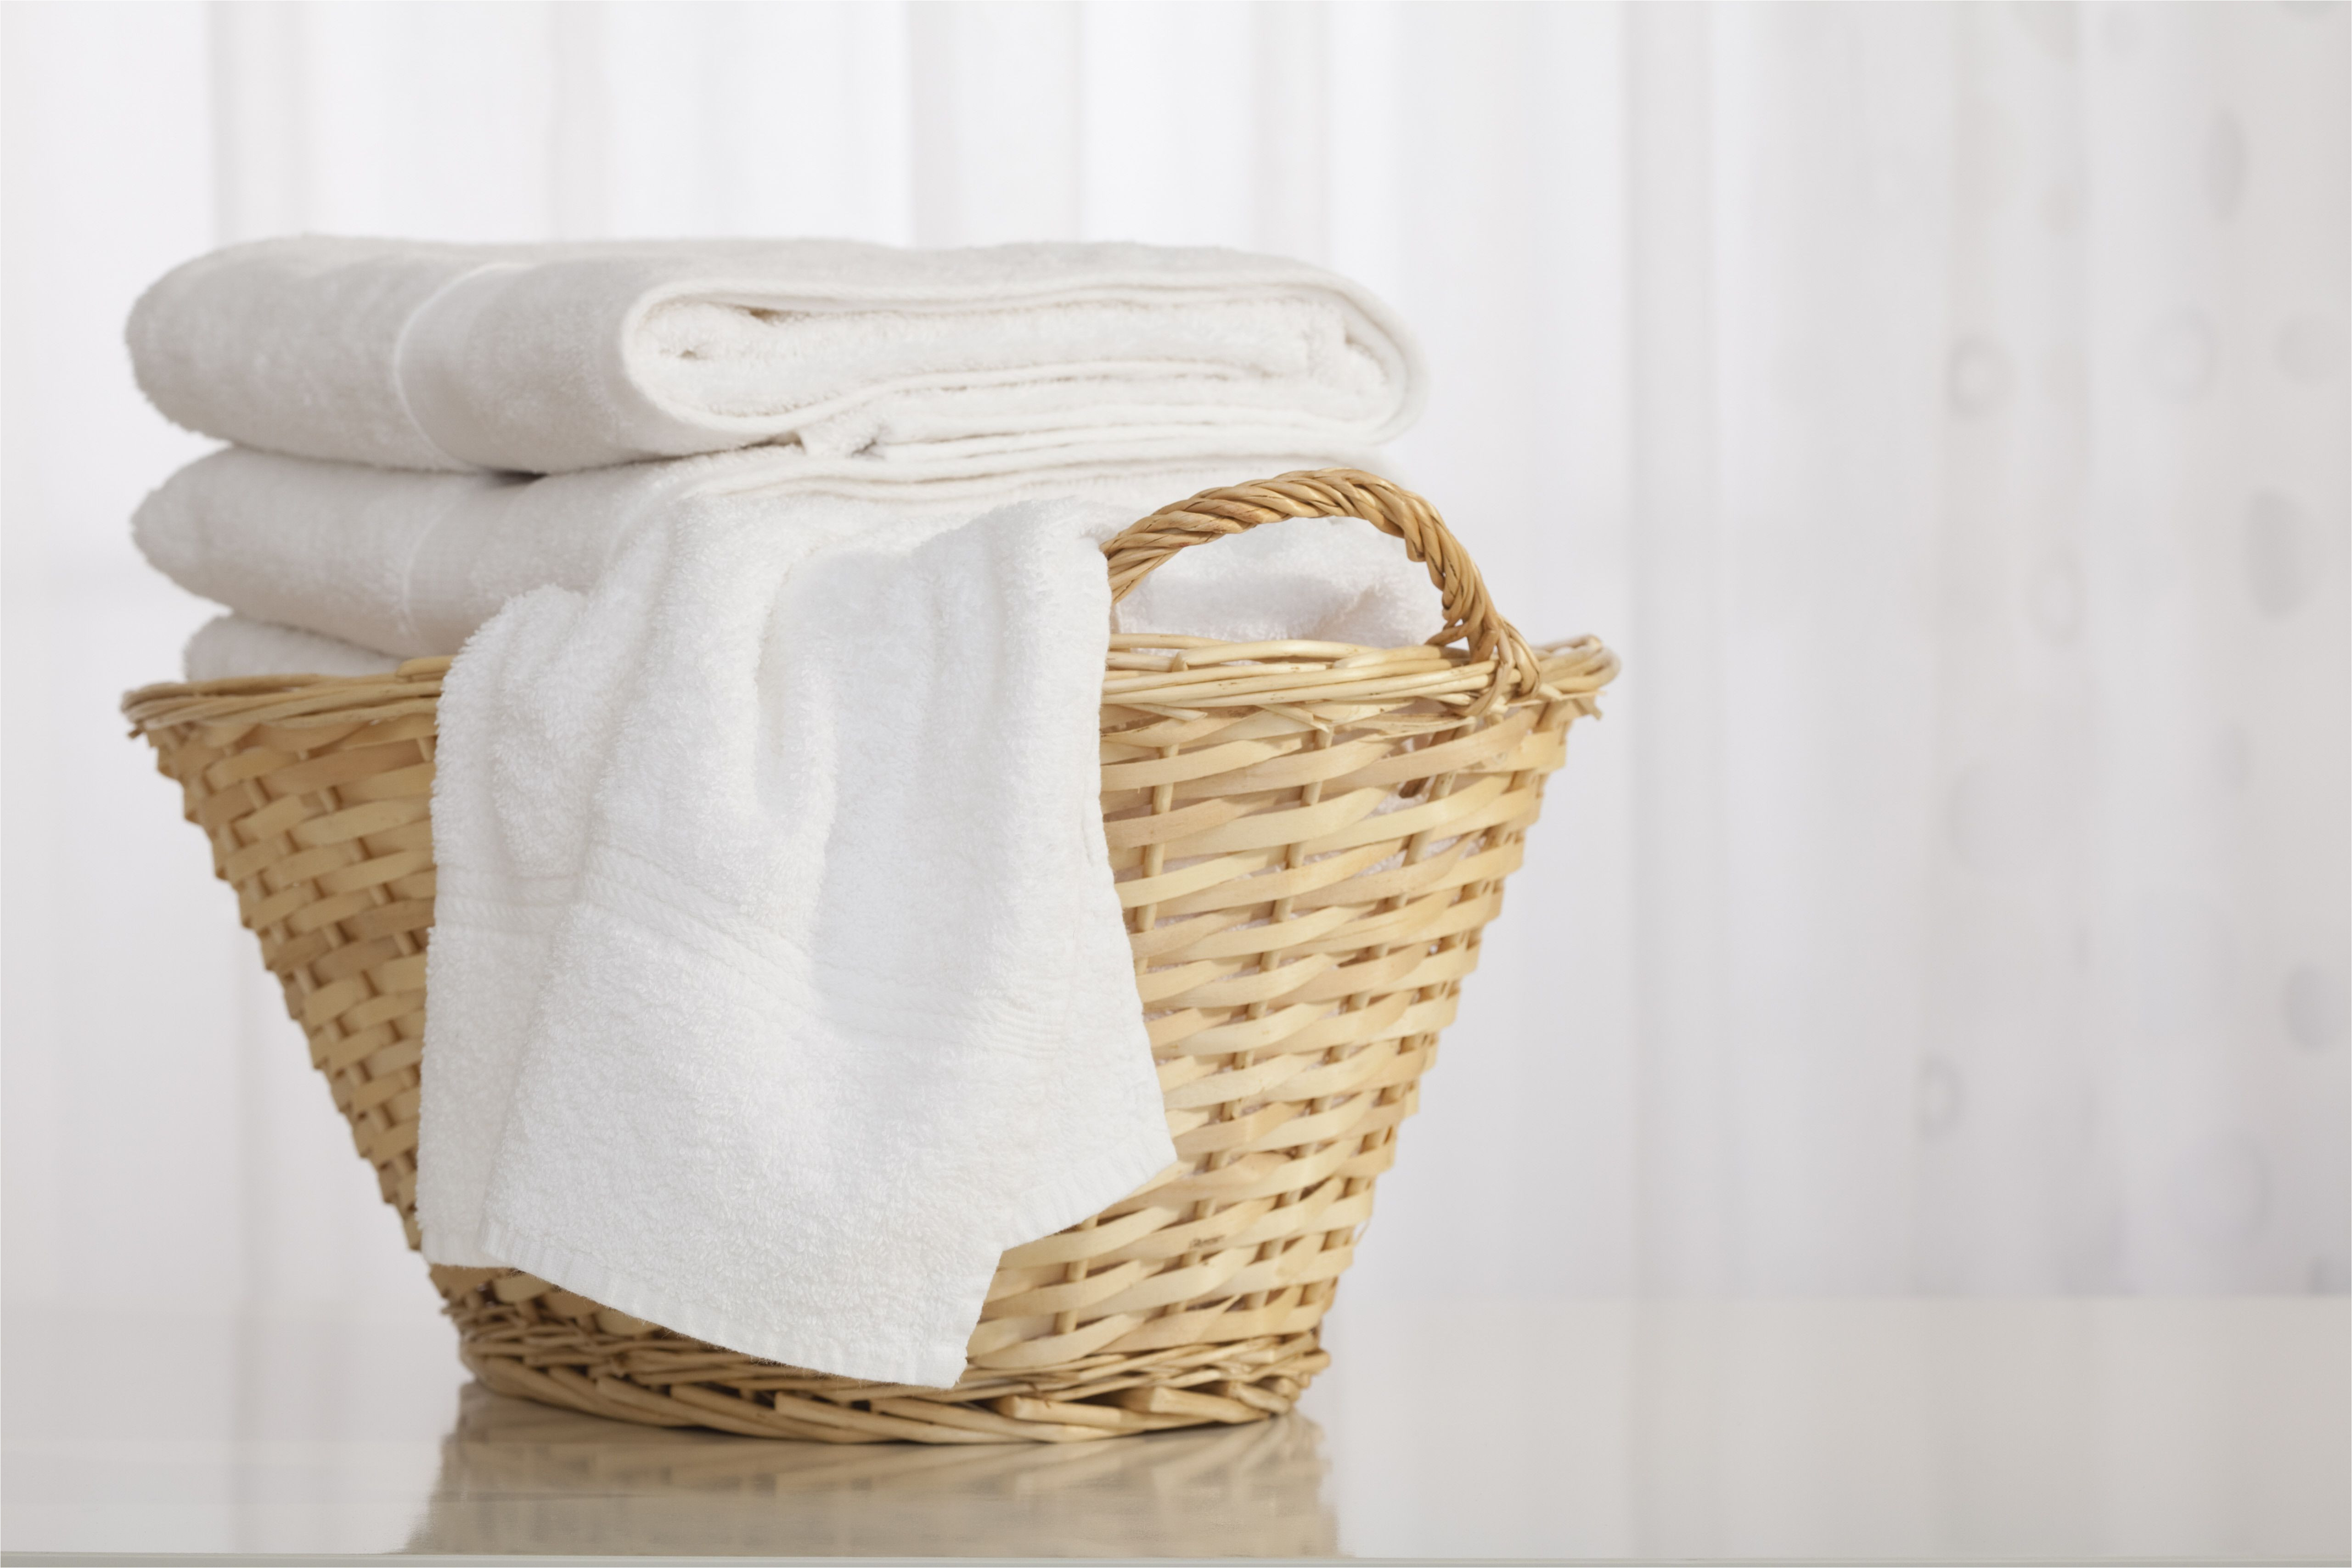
column 1308, row 838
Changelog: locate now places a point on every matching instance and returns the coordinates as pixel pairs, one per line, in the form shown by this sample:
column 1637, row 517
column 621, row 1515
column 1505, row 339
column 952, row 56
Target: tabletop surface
column 1891, row 1430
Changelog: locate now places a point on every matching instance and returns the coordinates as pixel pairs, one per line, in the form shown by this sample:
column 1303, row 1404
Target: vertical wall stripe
column 1674, row 685
column 579, row 162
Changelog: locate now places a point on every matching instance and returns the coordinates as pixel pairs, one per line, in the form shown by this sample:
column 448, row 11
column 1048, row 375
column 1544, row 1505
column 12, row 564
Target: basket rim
column 1135, row 675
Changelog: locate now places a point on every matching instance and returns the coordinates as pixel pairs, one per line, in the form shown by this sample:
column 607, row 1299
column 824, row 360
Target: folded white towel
column 543, row 358
column 410, row 564
column 778, row 981
column 227, row 646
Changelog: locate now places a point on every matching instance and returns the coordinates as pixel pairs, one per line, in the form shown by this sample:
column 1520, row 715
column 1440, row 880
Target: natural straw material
column 1308, row 838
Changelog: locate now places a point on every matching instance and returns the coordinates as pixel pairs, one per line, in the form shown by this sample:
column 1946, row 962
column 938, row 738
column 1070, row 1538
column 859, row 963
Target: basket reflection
column 523, row 1478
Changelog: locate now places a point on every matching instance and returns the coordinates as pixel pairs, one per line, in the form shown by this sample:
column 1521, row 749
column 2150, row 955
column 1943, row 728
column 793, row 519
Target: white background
column 1943, row 409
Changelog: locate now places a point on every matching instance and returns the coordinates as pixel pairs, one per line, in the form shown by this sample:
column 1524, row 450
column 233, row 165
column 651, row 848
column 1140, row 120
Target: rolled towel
column 410, row 564
column 228, row 646
column 544, row 358
column 778, row 979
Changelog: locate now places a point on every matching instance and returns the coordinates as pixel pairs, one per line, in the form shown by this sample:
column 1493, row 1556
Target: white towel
column 778, row 981
column 228, row 646
column 410, row 564
column 543, row 358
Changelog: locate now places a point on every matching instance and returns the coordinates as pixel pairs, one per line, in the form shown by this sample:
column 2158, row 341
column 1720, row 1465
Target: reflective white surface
column 1890, row 1429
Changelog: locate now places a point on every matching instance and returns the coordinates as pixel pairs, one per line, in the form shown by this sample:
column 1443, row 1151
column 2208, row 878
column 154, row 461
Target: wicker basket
column 1308, row 838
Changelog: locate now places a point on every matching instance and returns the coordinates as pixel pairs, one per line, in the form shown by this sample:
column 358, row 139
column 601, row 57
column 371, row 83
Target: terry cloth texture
column 548, row 358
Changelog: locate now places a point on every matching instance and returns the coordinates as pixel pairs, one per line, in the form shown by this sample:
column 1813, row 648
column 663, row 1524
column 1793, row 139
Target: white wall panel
column 1943, row 408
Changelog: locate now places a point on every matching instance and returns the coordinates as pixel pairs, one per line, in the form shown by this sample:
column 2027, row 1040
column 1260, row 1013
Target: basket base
column 562, row 1349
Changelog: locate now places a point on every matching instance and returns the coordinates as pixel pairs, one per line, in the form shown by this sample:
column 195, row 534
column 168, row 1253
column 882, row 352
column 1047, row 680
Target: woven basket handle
column 1470, row 616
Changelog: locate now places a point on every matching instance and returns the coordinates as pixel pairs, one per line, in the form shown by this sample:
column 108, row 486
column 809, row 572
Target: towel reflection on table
column 594, row 1485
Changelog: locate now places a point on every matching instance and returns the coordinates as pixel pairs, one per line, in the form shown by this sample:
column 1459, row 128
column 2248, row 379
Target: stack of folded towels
column 778, row 984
